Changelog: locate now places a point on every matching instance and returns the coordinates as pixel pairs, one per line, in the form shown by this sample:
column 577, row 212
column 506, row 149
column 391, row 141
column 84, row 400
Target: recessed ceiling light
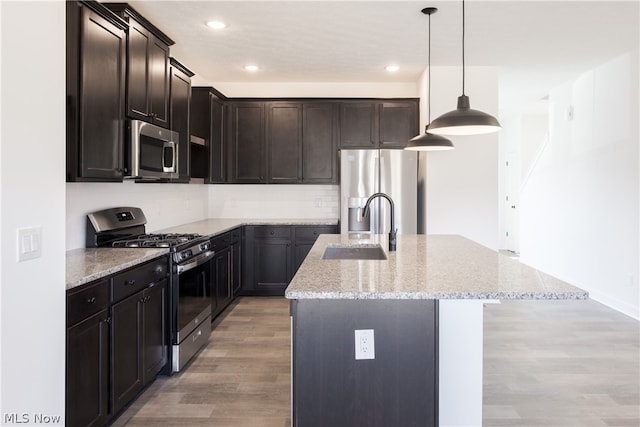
column 251, row 68
column 392, row 68
column 216, row 25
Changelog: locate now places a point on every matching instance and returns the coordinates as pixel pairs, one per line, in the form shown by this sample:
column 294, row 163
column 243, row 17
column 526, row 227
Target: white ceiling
column 536, row 45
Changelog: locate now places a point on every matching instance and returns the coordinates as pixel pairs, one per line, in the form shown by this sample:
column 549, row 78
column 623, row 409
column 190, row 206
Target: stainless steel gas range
column 191, row 267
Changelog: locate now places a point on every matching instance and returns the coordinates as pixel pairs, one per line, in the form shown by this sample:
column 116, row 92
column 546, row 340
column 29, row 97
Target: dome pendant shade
column 429, row 142
column 464, row 121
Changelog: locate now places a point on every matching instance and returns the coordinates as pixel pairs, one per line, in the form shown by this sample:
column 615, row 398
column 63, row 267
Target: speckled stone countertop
column 86, row 265
column 423, row 267
column 211, row 227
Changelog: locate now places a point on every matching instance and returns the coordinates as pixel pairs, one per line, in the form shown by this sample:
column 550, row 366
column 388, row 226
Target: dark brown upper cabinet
column 378, row 124
column 284, row 142
column 301, row 143
column 319, row 147
column 246, row 139
column 207, row 107
column 95, row 62
column 147, row 67
column 179, row 113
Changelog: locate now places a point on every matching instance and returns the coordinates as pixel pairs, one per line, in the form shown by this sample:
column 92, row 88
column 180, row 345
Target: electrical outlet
column 365, row 344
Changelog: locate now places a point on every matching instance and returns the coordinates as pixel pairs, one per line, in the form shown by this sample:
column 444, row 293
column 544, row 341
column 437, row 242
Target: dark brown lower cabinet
column 87, row 395
column 222, row 277
column 138, row 342
column 117, row 341
column 87, row 366
column 273, row 253
column 399, row 387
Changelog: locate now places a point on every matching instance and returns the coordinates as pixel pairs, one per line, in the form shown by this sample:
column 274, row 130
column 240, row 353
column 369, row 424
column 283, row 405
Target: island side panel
column 397, row 388
column 460, row 326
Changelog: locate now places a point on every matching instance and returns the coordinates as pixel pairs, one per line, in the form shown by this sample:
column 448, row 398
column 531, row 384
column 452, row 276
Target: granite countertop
column 423, row 267
column 211, row 227
column 86, row 265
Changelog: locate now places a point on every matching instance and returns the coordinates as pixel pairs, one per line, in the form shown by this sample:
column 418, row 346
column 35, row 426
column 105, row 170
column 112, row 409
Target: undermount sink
column 365, row 252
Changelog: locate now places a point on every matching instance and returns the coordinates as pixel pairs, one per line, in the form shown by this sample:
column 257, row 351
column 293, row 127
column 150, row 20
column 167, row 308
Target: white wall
column 164, row 205
column 580, row 206
column 32, row 165
column 274, row 201
column 462, row 184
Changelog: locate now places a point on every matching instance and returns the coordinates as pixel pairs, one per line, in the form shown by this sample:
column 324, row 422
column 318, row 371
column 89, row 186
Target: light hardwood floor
column 547, row 363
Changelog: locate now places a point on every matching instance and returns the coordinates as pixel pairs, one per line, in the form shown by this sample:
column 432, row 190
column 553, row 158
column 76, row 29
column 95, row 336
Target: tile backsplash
column 274, row 201
column 167, row 205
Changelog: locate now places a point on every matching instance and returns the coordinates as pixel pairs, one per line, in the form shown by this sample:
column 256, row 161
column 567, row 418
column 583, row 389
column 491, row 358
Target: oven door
column 193, row 294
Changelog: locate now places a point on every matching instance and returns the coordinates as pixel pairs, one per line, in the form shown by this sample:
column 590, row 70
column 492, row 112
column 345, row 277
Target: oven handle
column 201, row 259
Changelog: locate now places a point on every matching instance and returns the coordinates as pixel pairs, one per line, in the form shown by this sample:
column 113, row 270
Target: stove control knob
column 205, row 246
column 184, row 255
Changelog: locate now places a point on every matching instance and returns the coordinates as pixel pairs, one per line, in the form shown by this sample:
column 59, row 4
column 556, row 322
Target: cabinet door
column 247, row 142
column 126, row 350
column 236, row 265
column 300, row 252
column 87, row 377
column 284, row 142
column 180, row 106
column 222, row 265
column 358, row 125
column 398, row 123
column 154, row 330
column 138, row 71
column 96, row 52
column 158, row 82
column 319, row 153
column 272, row 265
column 217, row 150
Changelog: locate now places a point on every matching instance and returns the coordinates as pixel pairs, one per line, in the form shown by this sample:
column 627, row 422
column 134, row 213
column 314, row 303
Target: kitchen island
column 422, row 364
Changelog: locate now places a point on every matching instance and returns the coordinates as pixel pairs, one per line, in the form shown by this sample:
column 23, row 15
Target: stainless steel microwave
column 152, row 152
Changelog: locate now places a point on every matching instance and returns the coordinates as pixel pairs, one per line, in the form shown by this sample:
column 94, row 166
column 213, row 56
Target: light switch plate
column 29, row 243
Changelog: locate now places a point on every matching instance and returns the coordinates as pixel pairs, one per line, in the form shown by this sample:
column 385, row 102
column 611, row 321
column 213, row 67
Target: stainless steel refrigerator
column 365, row 172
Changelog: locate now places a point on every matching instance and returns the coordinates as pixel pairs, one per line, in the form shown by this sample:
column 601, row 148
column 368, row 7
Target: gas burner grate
column 167, row 240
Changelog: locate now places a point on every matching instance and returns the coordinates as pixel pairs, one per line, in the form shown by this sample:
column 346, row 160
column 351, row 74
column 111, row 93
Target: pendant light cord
column 429, row 75
column 462, row 47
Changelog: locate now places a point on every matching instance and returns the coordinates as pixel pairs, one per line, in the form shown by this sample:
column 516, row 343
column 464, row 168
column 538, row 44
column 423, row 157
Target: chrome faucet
column 393, row 231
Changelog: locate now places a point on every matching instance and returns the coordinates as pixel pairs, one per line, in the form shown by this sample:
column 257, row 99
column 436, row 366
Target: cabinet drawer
column 221, row 241
column 311, row 233
column 138, row 278
column 276, row 232
column 86, row 302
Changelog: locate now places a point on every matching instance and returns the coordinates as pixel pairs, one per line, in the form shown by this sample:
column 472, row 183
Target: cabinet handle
column 107, row 320
column 91, row 300
column 272, row 232
column 196, row 336
column 129, row 282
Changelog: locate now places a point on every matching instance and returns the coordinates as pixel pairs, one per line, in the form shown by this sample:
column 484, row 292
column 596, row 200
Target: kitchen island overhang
column 425, row 306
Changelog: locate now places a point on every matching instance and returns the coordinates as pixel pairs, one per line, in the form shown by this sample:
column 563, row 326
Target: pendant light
column 463, row 120
column 428, row 141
